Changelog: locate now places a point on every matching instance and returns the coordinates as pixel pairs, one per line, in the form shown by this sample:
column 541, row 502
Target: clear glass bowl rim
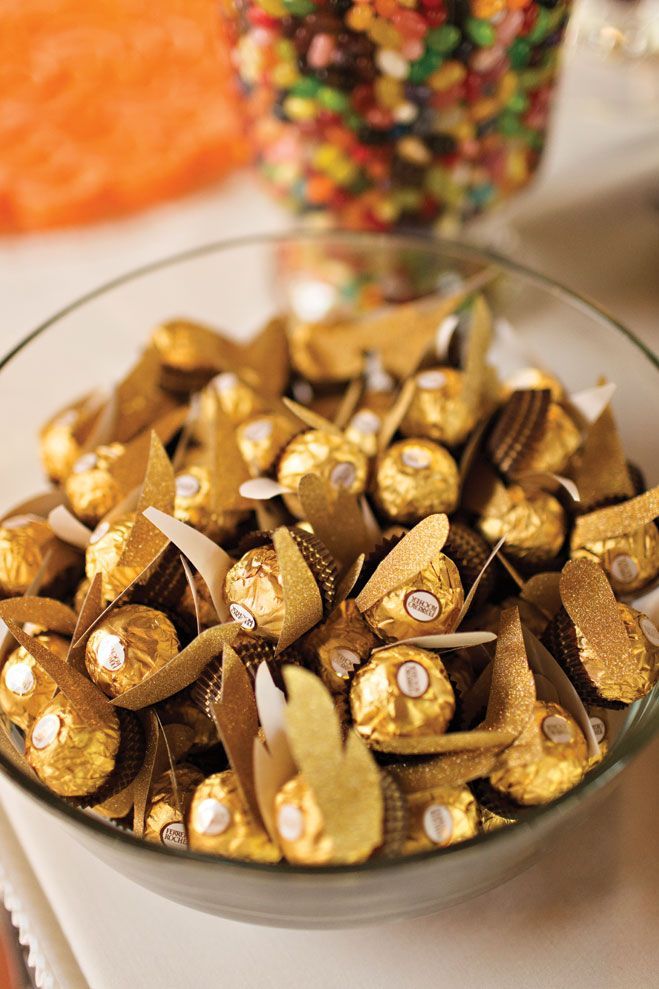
column 597, row 778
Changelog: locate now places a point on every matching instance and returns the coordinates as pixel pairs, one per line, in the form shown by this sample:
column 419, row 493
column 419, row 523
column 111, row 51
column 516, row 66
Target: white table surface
column 587, row 913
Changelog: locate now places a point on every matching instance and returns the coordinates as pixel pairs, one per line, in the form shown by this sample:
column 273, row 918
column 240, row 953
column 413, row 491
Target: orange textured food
column 110, row 105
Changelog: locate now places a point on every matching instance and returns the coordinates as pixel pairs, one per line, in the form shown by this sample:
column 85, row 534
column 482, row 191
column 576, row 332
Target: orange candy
column 111, row 105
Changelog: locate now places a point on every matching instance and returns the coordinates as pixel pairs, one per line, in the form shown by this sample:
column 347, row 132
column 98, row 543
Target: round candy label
column 212, row 817
column 259, row 429
column 243, row 616
column 412, row 679
column 290, row 822
column 173, row 835
column 438, row 824
column 431, row 380
column 366, row 422
column 557, row 729
column 416, row 457
column 225, row 382
column 99, row 532
column 187, row 486
column 110, row 653
column 86, row 462
column 649, row 630
column 624, row 568
column 19, row 679
column 599, row 728
column 45, row 731
column 422, row 606
column 343, row 474
column 343, row 661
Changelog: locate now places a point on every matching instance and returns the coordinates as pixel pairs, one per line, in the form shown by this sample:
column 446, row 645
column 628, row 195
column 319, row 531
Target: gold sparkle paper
column 336, row 518
column 409, row 557
column 303, row 606
column 591, row 605
column 180, row 671
column 226, row 466
column 164, row 747
column 602, row 472
column 46, row 612
column 310, row 418
column 90, row 613
column 478, row 344
column 543, row 591
column 86, row 699
column 617, row 520
column 395, row 415
column 344, row 778
column 263, row 361
column 129, row 469
column 137, row 400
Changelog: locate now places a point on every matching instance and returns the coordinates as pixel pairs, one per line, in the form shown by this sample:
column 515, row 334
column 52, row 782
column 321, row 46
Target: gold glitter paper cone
column 602, row 475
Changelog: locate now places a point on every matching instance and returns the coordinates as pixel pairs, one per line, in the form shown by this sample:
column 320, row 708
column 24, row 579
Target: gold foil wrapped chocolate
column 440, row 408
column 29, row 548
column 25, row 688
column 339, row 646
column 534, row 378
column 329, row 455
column 428, row 603
column 91, row 489
column 72, row 757
column 548, row 759
column 402, row 692
column 414, row 478
column 126, row 647
column 168, row 806
column 261, row 438
column 492, row 822
column 61, row 438
column 363, row 429
column 533, row 434
column 189, row 354
column 194, row 505
column 238, row 400
column 630, row 560
column 220, row 822
column 442, row 816
column 534, row 525
column 300, row 825
column 254, row 592
column 599, row 722
column 104, row 551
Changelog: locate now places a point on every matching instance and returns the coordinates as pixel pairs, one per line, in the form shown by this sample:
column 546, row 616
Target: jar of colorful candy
column 383, row 113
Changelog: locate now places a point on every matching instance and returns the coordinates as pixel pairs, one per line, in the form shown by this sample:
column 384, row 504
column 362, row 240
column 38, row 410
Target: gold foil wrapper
column 429, row 604
column 641, row 671
column 194, row 505
column 558, row 441
column 220, row 822
column 25, row 688
column 181, row 710
column 91, row 489
column 339, row 646
column 440, row 408
column 104, row 551
column 534, row 526
column 533, row 378
column 630, row 561
column 442, row 816
column 189, row 353
column 329, row 455
column 261, row 439
column 60, row 439
column 493, row 822
column 69, row 756
column 25, row 543
column 300, row 825
column 403, row 692
column 127, row 646
column 548, row 759
column 238, row 400
column 168, row 806
column 253, row 590
column 415, row 478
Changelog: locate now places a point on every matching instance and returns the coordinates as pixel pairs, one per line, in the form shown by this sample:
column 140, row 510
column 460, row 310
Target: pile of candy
column 386, row 112
column 371, row 621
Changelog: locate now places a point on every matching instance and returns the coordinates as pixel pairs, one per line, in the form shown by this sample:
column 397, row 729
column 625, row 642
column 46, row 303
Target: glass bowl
column 236, row 285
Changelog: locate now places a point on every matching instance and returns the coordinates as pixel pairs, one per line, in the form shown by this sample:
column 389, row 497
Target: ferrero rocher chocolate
column 103, row 553
column 194, row 505
column 261, row 438
column 168, row 806
column 254, row 592
column 533, row 378
column 548, row 759
column 25, row 688
column 415, row 478
column 439, row 409
column 533, row 434
column 72, row 758
column 300, row 825
column 90, row 488
column 238, row 400
column 630, row 561
column 596, row 681
column 329, row 455
column 28, row 544
column 440, row 817
column 428, row 604
column 220, row 822
column 363, row 429
column 492, row 822
column 402, row 693
column 339, row 646
column 60, row 439
column 189, row 353
column 127, row 646
column 599, row 722
column 534, row 526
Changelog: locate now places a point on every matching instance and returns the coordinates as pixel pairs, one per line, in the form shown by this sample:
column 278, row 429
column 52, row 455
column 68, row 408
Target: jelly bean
column 392, row 63
column 480, row 32
column 321, row 50
column 443, row 39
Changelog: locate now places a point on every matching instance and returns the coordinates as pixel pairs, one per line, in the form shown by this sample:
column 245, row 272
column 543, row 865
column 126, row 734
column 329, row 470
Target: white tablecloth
column 585, row 915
